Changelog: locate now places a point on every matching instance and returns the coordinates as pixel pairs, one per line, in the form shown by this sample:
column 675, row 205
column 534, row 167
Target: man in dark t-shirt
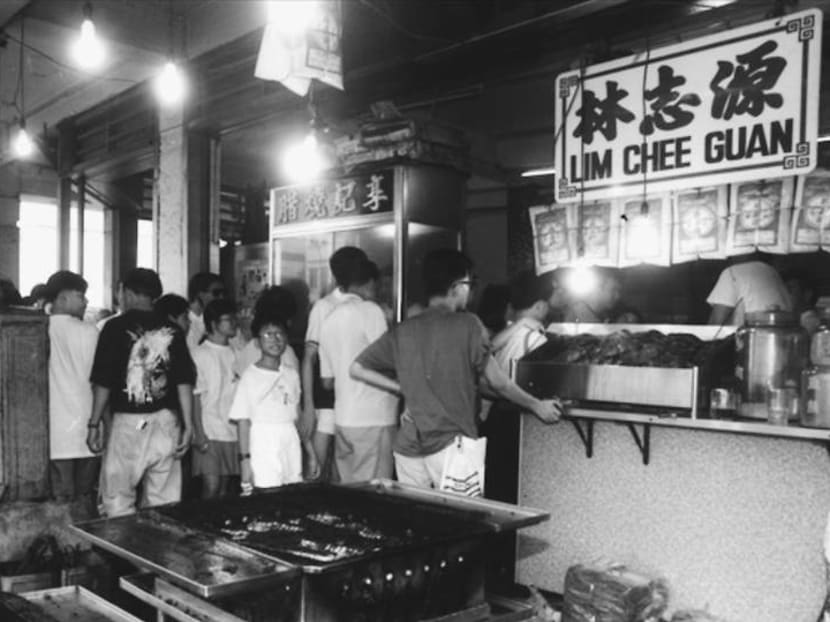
column 143, row 372
column 437, row 360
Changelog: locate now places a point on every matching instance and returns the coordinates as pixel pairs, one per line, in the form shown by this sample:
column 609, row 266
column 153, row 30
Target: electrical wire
column 397, row 26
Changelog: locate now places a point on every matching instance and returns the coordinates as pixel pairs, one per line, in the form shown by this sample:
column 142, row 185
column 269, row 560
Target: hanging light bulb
column 293, row 17
column 582, row 279
column 303, row 162
column 22, row 144
column 170, row 85
column 88, row 50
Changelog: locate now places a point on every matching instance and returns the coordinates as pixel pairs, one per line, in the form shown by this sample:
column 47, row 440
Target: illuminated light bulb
column 293, row 17
column 22, row 145
column 581, row 280
column 170, row 85
column 643, row 236
column 88, row 50
column 304, row 162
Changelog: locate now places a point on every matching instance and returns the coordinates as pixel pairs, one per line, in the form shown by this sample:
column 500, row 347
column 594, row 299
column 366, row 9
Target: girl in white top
column 266, row 407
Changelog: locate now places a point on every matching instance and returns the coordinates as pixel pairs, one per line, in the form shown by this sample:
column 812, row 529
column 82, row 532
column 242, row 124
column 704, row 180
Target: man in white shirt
column 73, row 468
column 318, row 403
column 365, row 417
column 746, row 288
column 530, row 297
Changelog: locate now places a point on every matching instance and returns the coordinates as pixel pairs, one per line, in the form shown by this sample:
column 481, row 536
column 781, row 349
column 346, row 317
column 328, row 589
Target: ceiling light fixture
column 22, row 145
column 88, row 50
column 539, row 172
column 170, row 85
column 303, row 162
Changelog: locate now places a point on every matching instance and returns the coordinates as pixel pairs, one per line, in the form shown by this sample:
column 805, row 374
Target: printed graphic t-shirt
column 141, row 358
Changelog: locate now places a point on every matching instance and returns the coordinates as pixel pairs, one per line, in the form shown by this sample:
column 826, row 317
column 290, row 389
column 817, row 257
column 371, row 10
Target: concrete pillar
column 126, row 196
column 9, row 215
column 185, row 202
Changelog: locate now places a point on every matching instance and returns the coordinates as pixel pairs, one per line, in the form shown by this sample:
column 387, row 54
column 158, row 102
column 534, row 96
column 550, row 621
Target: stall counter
column 735, row 523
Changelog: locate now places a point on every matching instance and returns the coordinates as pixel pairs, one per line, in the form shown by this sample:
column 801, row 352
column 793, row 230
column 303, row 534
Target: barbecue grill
column 372, row 551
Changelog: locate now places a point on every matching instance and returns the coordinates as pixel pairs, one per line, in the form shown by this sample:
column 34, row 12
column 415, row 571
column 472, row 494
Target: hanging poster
column 295, row 58
column 759, row 216
column 737, row 105
column 699, row 227
column 553, row 230
column 645, row 231
column 598, row 233
column 811, row 219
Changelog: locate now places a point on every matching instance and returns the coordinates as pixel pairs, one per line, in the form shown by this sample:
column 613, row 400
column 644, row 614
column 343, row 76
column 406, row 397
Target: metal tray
column 172, row 602
column 658, row 387
column 202, row 564
column 74, row 603
column 399, row 519
column 496, row 515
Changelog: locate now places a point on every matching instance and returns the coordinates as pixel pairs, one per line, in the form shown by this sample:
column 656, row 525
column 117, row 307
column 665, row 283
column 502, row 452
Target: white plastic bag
column 463, row 471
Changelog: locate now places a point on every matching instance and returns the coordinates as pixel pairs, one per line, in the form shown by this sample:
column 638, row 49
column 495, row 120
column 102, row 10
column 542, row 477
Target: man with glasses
column 201, row 290
column 437, row 361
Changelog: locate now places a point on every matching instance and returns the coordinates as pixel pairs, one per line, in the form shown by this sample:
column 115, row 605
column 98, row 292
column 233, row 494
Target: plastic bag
column 463, row 471
column 611, row 594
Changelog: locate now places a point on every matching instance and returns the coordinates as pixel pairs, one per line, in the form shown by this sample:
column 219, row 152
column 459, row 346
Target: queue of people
column 168, row 388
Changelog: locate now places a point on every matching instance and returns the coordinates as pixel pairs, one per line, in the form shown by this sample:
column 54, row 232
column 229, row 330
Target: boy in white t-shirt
column 266, row 407
column 215, row 437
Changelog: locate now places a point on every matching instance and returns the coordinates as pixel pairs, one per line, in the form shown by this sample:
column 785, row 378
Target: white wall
column 734, row 523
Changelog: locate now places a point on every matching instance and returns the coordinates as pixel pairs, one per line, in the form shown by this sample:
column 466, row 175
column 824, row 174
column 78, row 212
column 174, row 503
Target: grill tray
column 321, row 527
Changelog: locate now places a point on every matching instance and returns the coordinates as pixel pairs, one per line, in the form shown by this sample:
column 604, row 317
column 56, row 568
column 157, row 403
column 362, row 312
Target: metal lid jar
column 771, row 352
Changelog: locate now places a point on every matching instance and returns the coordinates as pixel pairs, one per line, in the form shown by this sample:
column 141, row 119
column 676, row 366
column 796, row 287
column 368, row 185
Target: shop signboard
column 330, row 199
column 739, row 105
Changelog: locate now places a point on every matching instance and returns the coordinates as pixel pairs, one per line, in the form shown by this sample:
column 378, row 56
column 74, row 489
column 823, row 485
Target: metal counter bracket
column 644, row 442
column 586, row 434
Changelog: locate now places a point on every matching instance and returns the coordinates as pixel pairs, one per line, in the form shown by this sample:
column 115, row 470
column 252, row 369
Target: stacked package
column 611, row 594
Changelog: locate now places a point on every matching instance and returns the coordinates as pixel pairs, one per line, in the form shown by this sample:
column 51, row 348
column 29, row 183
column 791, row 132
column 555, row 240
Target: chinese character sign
column 736, row 106
column 333, row 198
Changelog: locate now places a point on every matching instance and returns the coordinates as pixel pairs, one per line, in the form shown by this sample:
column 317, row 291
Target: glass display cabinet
column 396, row 214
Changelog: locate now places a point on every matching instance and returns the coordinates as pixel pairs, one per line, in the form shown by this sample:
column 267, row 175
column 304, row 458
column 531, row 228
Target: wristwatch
column 93, row 425
column 244, row 457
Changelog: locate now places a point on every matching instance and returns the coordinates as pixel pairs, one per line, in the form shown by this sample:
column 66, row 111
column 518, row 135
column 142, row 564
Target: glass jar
column 820, row 342
column 815, row 397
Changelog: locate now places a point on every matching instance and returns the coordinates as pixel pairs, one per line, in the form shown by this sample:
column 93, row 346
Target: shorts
column 220, row 459
column 325, row 421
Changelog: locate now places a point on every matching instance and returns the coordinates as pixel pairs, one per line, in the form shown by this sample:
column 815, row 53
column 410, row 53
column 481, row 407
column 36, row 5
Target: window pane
column 145, row 252
column 94, row 241
column 38, row 242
